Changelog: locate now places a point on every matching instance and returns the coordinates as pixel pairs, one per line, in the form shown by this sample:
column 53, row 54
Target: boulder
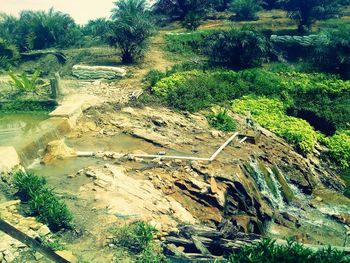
column 57, row 150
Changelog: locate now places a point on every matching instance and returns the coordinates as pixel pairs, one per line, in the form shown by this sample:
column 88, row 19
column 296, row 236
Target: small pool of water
column 15, row 126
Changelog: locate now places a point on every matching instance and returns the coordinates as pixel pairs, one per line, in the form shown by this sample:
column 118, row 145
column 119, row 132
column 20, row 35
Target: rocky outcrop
column 129, row 198
column 57, row 150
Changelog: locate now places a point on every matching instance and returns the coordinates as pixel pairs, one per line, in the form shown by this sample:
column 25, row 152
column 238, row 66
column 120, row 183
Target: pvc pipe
column 212, row 158
column 191, row 158
column 243, row 140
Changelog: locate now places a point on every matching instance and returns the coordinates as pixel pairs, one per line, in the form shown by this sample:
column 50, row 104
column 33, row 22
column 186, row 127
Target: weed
column 135, row 237
column 43, row 202
column 222, row 121
column 269, row 251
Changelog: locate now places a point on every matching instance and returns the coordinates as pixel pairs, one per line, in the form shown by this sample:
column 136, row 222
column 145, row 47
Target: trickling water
column 316, row 223
column 270, row 189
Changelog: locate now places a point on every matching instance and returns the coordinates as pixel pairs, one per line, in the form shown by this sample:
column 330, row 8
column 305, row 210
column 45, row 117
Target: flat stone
column 44, row 231
column 68, row 255
column 8, row 159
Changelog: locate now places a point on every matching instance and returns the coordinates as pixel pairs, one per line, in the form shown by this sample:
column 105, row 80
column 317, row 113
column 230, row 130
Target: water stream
column 15, row 126
column 316, row 224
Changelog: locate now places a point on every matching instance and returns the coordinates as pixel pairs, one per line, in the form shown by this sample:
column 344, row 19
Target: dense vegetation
column 42, row 201
column 269, row 251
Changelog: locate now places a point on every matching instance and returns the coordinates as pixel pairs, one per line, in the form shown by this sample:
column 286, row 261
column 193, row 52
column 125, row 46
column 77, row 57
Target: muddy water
column 86, row 217
column 13, row 127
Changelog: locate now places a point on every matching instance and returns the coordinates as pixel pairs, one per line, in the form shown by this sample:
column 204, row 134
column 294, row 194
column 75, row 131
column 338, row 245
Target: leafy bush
column 268, row 251
column 43, row 202
column 26, row 84
column 246, row 9
column 222, row 121
column 339, row 146
column 192, row 21
column 237, row 48
column 28, row 184
column 153, row 76
column 167, row 84
column 187, row 43
column 270, row 113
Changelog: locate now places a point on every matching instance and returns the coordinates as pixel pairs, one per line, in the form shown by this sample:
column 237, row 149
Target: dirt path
column 155, row 58
column 120, row 91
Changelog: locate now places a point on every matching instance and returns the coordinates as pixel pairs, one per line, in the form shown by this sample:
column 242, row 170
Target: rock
column 9, row 256
column 180, row 213
column 44, row 231
column 8, row 159
column 68, row 255
column 57, row 150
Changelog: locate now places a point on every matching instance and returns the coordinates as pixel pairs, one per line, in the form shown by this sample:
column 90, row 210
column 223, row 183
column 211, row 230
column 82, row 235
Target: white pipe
column 243, row 140
column 169, row 157
column 191, row 158
column 212, row 158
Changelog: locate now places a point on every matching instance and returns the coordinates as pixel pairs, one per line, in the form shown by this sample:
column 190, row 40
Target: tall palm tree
column 131, row 29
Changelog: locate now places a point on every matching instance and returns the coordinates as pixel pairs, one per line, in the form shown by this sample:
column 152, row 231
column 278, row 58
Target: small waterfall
column 49, row 130
column 268, row 185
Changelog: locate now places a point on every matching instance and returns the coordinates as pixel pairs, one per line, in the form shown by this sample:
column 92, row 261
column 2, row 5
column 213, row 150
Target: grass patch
column 269, row 251
column 43, row 202
column 138, row 239
column 222, row 121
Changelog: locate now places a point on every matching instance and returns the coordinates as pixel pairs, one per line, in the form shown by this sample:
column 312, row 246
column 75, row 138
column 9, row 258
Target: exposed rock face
column 129, row 198
column 57, row 150
column 248, row 186
column 8, row 159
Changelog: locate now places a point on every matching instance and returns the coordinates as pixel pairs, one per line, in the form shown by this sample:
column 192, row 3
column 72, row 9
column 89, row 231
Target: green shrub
column 237, row 48
column 167, row 84
column 339, row 146
column 153, row 76
column 28, row 184
column 186, row 43
column 270, row 113
column 24, row 83
column 43, row 202
column 222, row 121
column 268, row 251
column 152, row 254
column 135, row 237
column 192, row 21
column 246, row 9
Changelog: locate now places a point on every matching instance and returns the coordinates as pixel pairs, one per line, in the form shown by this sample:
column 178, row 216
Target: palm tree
column 131, row 29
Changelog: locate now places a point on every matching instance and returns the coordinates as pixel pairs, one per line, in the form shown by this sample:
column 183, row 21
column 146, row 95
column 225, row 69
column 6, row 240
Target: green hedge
column 270, row 113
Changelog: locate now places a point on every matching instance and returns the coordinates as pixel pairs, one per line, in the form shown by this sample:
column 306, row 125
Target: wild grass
column 138, row 239
column 222, row 121
column 269, row 251
column 43, row 202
